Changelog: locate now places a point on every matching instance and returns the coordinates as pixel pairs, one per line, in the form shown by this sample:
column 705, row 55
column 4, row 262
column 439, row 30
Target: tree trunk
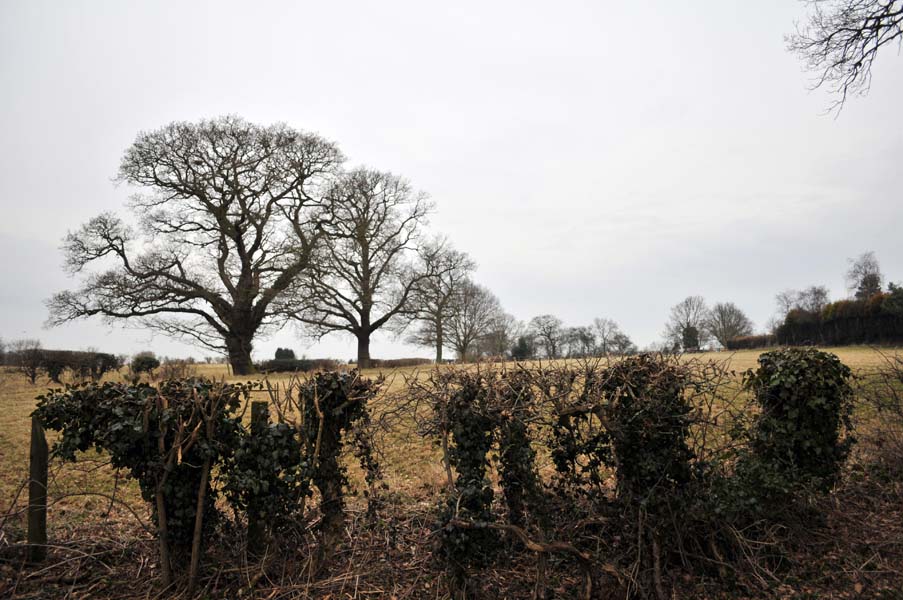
column 363, row 351
column 439, row 342
column 239, row 348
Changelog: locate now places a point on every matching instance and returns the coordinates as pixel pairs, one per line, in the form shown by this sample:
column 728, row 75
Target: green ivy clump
column 266, row 475
column 648, row 420
column 471, row 425
column 127, row 422
column 517, row 458
column 803, row 434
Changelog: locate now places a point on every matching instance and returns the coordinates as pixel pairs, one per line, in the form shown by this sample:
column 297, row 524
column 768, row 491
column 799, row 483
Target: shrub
column 172, row 437
column 176, row 369
column 302, row 365
column 144, row 362
column 398, row 363
column 750, row 342
column 284, row 354
column 332, row 404
column 144, row 429
column 804, row 431
column 470, row 424
column 648, row 422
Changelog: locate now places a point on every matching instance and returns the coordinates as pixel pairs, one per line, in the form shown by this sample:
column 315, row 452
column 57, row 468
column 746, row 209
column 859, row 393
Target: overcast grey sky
column 596, row 159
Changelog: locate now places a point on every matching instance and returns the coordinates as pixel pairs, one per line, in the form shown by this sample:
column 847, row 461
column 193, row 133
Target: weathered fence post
column 260, row 418
column 37, row 493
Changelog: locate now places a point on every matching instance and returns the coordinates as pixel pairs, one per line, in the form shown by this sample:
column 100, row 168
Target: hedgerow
column 173, row 436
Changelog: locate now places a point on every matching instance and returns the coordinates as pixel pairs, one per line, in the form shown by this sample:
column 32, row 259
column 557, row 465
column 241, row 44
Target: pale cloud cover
column 595, row 159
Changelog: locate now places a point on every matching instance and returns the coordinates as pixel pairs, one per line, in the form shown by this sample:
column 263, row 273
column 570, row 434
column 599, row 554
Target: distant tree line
column 29, row 358
column 872, row 314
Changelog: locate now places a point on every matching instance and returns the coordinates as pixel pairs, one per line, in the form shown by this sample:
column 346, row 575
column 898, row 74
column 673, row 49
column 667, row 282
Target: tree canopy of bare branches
column 437, row 296
column 365, row 272
column 841, row 39
column 812, row 299
column 864, row 278
column 610, row 339
column 476, row 313
column 686, row 326
column 548, row 330
column 230, row 220
column 726, row 321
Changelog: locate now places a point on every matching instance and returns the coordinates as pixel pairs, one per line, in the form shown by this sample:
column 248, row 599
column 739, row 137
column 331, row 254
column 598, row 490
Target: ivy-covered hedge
column 804, row 430
column 655, row 458
column 173, row 437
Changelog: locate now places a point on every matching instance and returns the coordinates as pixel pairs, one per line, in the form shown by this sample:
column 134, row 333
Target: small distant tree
column 285, row 354
column 690, row 339
column 437, row 296
column 864, row 277
column 686, row 326
column 523, row 348
column 622, row 345
column 580, row 341
column 726, row 321
column 812, row 300
column 548, row 331
column 144, row 362
column 27, row 357
column 476, row 313
column 893, row 303
column 500, row 336
column 610, row 339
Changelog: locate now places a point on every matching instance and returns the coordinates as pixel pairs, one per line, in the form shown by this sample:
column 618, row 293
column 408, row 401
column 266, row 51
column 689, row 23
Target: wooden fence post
column 37, row 493
column 260, row 420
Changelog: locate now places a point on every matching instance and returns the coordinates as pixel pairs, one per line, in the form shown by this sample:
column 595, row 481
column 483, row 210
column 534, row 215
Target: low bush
column 299, row 365
column 751, row 342
column 398, row 363
column 804, row 431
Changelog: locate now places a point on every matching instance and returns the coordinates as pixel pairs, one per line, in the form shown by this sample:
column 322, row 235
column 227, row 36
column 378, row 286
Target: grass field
column 411, row 463
column 417, row 471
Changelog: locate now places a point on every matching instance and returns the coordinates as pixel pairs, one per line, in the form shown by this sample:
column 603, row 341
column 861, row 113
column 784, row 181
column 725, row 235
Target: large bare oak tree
column 230, row 219
column 365, row 275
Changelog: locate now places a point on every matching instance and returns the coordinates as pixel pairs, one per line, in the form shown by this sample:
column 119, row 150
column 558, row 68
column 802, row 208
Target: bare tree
column 548, row 330
column 27, row 357
column 365, row 273
column 726, row 321
column 864, row 278
column 841, row 39
column 501, row 336
column 476, row 314
column 606, row 332
column 229, row 223
column 435, row 298
column 610, row 339
column 580, row 341
column 621, row 344
column 812, row 299
column 686, row 325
